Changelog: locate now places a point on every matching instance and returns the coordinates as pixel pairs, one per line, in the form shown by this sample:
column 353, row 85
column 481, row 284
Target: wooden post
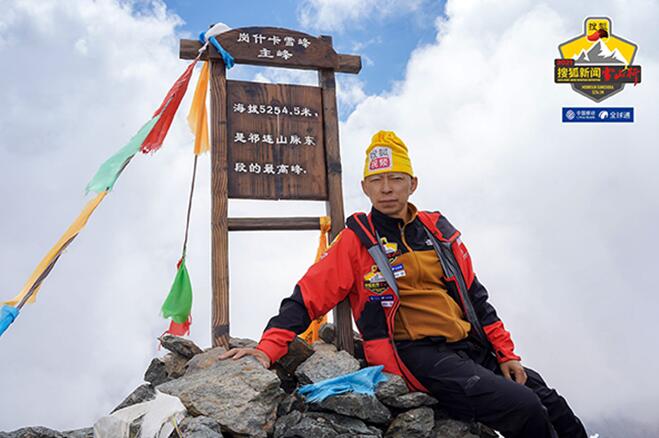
column 342, row 313
column 219, row 206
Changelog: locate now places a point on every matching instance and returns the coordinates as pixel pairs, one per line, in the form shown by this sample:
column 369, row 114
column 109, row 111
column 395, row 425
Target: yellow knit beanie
column 387, row 153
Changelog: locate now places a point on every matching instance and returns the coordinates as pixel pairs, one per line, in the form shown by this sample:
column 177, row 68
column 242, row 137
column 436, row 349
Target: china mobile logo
column 597, row 63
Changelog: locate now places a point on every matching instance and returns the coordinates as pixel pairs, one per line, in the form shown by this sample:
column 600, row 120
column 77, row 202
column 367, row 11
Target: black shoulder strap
column 361, row 226
column 435, row 221
column 447, row 229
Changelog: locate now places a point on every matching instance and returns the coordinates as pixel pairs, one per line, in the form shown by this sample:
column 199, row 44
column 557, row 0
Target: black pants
column 467, row 381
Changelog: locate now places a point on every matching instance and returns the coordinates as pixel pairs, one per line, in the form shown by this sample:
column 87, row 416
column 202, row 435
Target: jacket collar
column 383, row 221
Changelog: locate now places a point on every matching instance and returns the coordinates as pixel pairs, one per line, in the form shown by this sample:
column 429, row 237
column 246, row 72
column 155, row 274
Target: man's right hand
column 237, row 353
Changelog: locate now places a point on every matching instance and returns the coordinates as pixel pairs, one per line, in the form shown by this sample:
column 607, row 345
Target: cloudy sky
column 560, row 219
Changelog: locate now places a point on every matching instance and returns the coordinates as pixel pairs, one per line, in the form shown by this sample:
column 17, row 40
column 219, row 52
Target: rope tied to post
column 208, row 37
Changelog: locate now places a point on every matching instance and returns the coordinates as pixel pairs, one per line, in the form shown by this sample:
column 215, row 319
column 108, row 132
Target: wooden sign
column 276, row 145
column 272, row 142
column 277, row 47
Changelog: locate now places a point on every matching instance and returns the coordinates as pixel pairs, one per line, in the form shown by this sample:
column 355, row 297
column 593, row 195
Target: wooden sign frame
column 289, row 49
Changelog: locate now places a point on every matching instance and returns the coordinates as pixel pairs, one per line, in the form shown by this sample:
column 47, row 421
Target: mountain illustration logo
column 597, row 63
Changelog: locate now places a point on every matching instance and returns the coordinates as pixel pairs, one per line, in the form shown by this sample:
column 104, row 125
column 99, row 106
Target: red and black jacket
column 340, row 274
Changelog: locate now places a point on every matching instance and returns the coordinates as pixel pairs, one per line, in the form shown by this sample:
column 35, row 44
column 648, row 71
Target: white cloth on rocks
column 157, row 422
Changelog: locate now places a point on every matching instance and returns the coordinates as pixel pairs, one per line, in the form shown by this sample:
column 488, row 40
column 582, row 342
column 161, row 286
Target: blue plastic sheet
column 363, row 382
column 7, row 315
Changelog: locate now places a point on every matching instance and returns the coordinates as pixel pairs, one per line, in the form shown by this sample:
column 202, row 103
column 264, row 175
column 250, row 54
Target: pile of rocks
column 240, row 398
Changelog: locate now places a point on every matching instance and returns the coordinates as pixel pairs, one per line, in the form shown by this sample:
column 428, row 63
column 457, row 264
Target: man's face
column 389, row 192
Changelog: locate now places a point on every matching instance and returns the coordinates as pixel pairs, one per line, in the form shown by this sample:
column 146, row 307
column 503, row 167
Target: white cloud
column 350, row 92
column 338, row 14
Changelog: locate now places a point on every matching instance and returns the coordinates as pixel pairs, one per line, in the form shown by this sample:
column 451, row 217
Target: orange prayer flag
column 198, row 116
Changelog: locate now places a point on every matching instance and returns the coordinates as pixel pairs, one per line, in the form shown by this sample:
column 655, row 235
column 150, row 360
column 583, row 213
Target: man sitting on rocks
column 420, row 309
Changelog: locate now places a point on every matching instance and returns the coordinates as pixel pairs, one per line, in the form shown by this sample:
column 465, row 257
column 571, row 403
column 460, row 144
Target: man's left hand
column 513, row 370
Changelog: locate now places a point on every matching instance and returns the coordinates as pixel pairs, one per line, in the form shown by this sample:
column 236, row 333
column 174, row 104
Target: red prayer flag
column 167, row 110
column 177, row 329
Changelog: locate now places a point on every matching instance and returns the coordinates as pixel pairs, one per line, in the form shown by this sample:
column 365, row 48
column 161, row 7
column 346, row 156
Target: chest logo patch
column 374, row 281
column 389, row 247
column 390, row 250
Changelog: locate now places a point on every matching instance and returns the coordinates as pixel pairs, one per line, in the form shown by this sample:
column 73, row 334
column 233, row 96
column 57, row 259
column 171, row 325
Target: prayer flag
column 7, row 315
column 109, row 171
column 167, row 110
column 198, row 117
column 178, row 303
column 311, row 334
column 33, row 284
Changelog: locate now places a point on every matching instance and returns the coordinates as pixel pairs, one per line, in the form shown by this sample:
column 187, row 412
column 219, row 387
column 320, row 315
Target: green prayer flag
column 178, row 304
column 109, row 171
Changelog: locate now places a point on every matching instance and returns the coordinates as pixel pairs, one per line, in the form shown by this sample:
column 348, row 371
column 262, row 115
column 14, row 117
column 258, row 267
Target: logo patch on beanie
column 379, row 158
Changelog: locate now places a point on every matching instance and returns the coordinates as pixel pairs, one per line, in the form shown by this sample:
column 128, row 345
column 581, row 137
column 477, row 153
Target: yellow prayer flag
column 47, row 262
column 198, row 117
column 311, row 334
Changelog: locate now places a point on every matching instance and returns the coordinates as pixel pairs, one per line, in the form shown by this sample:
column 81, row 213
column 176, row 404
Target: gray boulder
column 325, row 365
column 198, row 427
column 163, row 369
column 87, row 432
column 181, row 346
column 286, row 422
column 417, row 423
column 392, row 387
column 141, row 394
column 326, row 425
column 310, row 427
column 44, row 432
column 410, row 400
column 205, row 360
column 242, row 343
column 33, row 432
column 362, row 406
column 320, row 345
column 239, row 394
